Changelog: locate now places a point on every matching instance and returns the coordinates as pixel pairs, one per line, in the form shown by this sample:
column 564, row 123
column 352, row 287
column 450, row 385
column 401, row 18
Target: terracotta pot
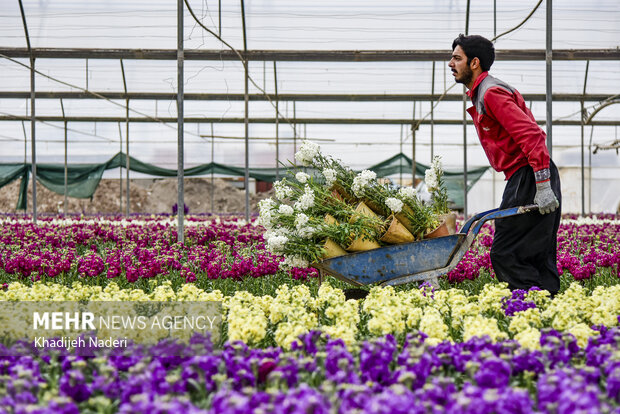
column 450, row 219
column 440, row 231
column 362, row 210
column 361, row 245
column 396, row 233
column 332, row 249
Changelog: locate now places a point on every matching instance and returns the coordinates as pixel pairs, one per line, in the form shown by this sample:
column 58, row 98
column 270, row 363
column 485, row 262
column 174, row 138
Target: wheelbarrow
column 422, row 260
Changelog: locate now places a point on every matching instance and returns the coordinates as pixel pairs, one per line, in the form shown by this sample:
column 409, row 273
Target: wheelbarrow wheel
column 355, row 293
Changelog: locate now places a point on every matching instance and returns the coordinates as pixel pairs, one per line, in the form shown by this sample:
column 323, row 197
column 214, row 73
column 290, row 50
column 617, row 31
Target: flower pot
column 329, row 219
column 343, row 193
column 396, row 233
column 335, row 194
column 332, row 249
column 375, row 207
column 402, row 217
column 362, row 210
column 439, row 231
column 361, row 245
column 450, row 219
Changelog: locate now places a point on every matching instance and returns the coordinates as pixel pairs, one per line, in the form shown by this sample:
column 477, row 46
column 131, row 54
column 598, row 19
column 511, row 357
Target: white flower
column 282, row 190
column 307, row 153
column 306, row 201
column 301, row 220
column 285, row 210
column 275, row 243
column 265, row 218
column 293, row 261
column 408, row 192
column 361, row 181
column 305, row 232
column 433, row 174
column 302, row 177
column 394, row 204
column 431, row 179
column 330, row 176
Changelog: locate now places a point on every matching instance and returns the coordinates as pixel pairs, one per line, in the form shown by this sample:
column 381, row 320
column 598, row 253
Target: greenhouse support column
column 212, row 169
column 64, row 208
column 401, row 155
column 246, row 120
column 465, row 125
column 25, row 141
column 548, row 60
column 465, row 153
column 583, row 114
column 127, row 166
column 433, row 114
column 275, row 82
column 180, row 57
column 414, row 127
column 33, row 141
column 590, row 170
column 32, row 117
column 413, row 157
column 120, row 170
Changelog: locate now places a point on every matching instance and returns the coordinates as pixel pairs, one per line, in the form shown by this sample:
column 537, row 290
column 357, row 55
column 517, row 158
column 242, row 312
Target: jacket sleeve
column 501, row 105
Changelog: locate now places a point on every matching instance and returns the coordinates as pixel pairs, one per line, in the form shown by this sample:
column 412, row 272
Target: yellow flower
column 481, row 326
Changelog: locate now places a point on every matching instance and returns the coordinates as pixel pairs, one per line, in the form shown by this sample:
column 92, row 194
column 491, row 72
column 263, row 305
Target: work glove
column 545, row 197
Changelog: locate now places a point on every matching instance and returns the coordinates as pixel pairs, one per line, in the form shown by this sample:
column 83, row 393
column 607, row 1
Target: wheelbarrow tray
column 409, row 262
column 378, row 265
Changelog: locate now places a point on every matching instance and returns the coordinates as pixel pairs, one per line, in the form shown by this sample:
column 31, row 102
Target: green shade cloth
column 83, row 179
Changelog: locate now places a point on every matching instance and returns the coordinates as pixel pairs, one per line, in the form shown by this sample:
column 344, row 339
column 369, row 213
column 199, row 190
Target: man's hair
column 476, row 46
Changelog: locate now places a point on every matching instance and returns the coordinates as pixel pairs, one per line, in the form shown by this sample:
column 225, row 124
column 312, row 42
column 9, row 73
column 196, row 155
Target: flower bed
column 321, row 376
column 454, row 315
column 472, row 347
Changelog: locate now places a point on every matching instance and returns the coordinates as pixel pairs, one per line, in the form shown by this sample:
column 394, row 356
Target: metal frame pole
column 465, row 125
column 548, row 60
column 246, row 120
column 433, row 113
column 180, row 154
column 212, row 168
column 590, row 170
column 413, row 155
column 120, row 169
column 295, row 129
column 25, row 142
column 127, row 162
column 402, row 127
column 275, row 82
column 464, row 152
column 32, row 117
column 64, row 209
column 583, row 173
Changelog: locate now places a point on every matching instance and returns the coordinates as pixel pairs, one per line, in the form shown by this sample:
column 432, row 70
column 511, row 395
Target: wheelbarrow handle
column 479, row 219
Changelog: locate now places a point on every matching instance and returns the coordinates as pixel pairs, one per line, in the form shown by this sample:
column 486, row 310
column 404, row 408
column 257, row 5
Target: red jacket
column 506, row 127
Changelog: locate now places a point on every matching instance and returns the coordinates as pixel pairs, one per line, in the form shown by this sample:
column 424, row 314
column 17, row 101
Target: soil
column 146, row 196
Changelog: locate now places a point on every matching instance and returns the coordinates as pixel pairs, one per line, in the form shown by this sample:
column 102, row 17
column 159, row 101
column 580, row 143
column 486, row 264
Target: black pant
column 524, row 251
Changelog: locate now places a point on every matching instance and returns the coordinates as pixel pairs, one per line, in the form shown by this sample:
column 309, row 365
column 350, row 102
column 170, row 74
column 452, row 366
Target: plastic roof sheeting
column 298, row 25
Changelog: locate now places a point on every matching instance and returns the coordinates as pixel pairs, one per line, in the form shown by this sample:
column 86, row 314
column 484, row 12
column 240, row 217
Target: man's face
column 460, row 69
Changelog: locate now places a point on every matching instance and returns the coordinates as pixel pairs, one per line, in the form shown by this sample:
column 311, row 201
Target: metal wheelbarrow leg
column 410, row 262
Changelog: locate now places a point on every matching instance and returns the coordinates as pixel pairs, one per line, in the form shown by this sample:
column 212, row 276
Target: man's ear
column 475, row 63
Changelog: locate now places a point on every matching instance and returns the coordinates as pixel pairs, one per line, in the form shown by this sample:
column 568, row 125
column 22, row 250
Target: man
column 524, row 251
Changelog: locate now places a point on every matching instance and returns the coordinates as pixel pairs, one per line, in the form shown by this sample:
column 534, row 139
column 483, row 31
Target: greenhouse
column 317, row 149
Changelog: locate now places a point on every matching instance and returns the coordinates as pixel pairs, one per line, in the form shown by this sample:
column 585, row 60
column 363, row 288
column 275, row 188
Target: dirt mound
column 146, row 196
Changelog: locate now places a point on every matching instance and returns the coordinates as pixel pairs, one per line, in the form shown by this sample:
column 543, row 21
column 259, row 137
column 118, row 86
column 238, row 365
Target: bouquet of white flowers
column 335, row 210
